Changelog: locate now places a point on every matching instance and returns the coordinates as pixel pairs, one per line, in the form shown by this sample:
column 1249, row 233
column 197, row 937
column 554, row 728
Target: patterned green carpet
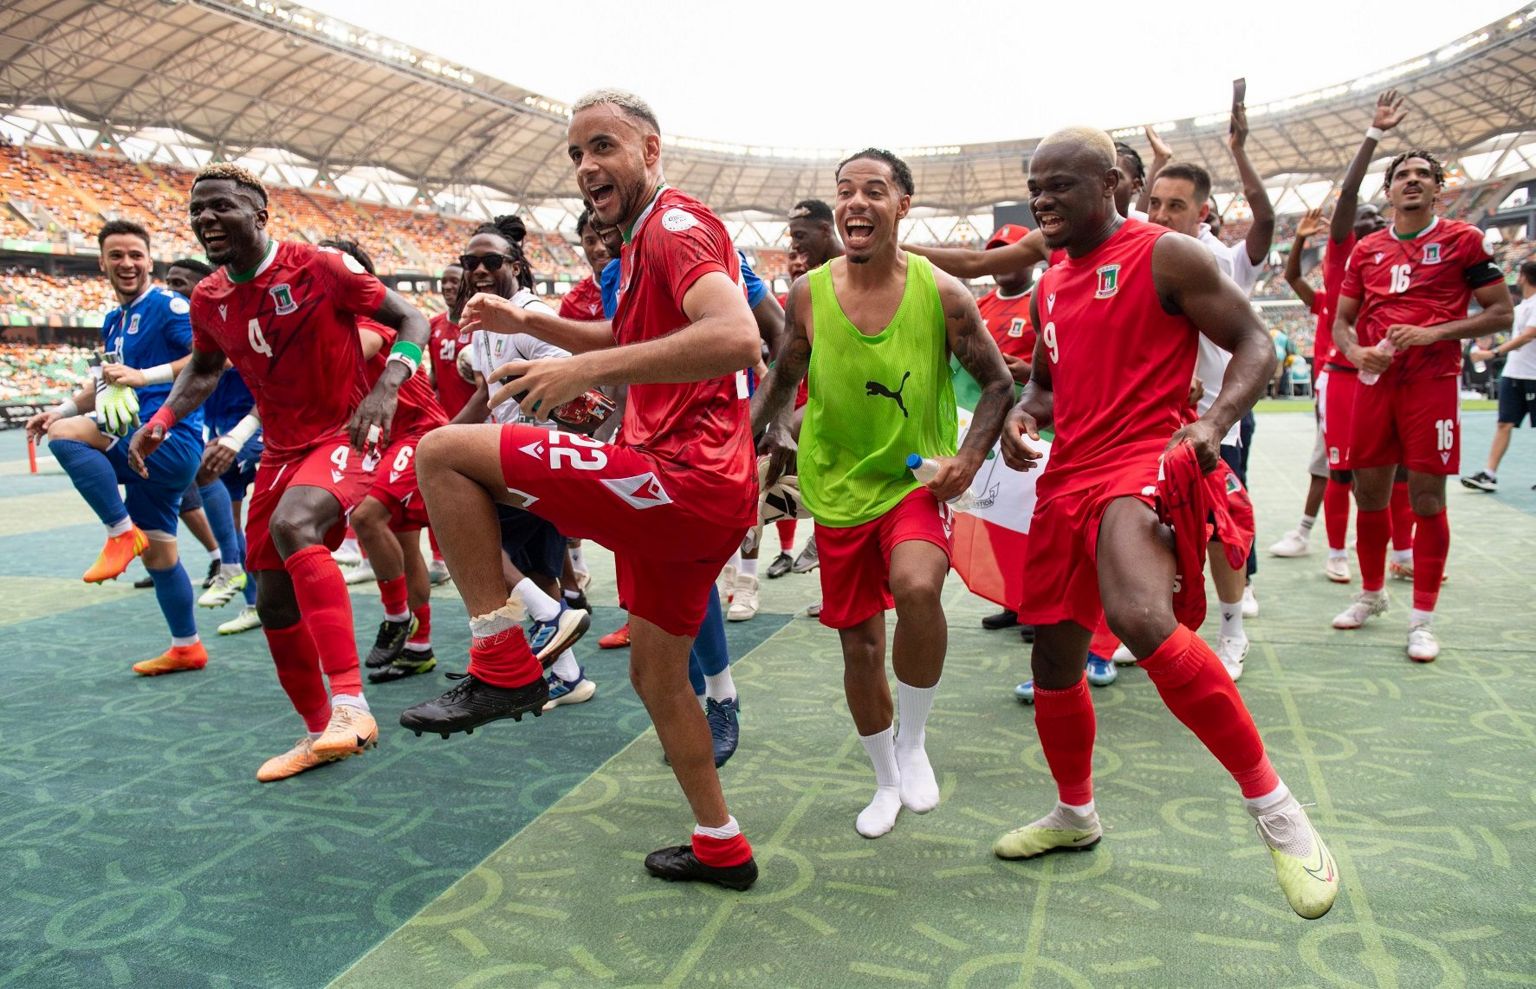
column 139, row 851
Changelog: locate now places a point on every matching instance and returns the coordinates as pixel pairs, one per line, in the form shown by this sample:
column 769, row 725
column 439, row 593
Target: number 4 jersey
column 290, row 328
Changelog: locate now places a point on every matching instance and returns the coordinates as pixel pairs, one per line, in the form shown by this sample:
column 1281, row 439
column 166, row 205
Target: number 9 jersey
column 290, row 329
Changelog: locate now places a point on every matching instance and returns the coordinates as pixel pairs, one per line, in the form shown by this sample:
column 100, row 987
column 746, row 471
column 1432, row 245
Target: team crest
column 1109, row 281
column 1432, row 253
column 1016, row 328
column 133, row 324
column 282, row 297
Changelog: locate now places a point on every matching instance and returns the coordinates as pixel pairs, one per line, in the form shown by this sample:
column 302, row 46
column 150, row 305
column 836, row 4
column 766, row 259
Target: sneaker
column 1292, row 544
column 472, row 702
column 1027, row 633
column 1423, row 647
column 1123, row 655
column 226, row 584
column 1481, row 481
column 243, row 622
column 780, row 566
column 1025, row 692
column 1101, row 672
column 1232, row 650
column 577, row 691
column 214, row 566
column 744, row 603
column 1035, row 839
column 1308, row 875
column 726, row 583
column 617, row 639
column 813, row 610
column 177, row 659
column 1401, row 570
column 1337, row 569
column 679, row 864
column 115, row 556
column 410, row 662
column 351, row 731
column 1367, row 604
column 299, row 759
column 1007, row 618
column 360, row 574
column 144, row 583
column 724, row 727
column 807, row 560
column 347, row 554
column 549, row 639
column 390, row 641
column 437, row 572
column 1250, row 602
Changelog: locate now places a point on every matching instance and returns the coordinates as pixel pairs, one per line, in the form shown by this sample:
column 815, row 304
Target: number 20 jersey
column 291, row 331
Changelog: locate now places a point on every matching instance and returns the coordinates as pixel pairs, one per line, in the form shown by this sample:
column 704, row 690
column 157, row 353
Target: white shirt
column 1211, row 365
column 1521, row 362
column 489, row 351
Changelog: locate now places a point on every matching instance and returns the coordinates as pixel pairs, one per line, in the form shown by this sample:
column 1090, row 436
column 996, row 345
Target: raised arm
column 963, row 262
column 1162, row 154
column 1309, row 225
column 1388, row 114
column 1261, row 232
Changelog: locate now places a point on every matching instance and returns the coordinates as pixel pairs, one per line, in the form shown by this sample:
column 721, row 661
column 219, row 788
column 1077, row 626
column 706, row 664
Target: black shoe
column 144, row 583
column 1481, row 481
column 1027, row 633
column 679, row 864
column 412, row 662
column 390, row 642
column 780, row 566
column 1006, row 618
column 213, row 571
column 472, row 703
column 724, row 729
column 577, row 603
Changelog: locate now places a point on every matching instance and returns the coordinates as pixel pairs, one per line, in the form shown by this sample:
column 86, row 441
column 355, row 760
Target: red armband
column 163, row 417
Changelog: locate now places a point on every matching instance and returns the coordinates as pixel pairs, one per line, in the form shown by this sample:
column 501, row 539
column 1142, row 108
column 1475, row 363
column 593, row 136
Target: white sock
column 880, row 816
column 185, row 640
column 1402, row 556
column 1258, row 806
column 1232, row 620
column 729, row 829
column 355, row 701
column 720, row 687
column 120, row 528
column 314, row 734
column 570, row 595
column 397, row 616
column 578, row 562
column 746, row 567
column 1068, row 817
column 541, row 606
column 216, row 555
column 508, row 616
column 231, row 570
column 1304, row 530
column 1493, row 475
column 919, row 788
column 349, row 545
column 566, row 667
column 418, row 647
column 735, row 560
column 1417, row 616
column 1338, row 554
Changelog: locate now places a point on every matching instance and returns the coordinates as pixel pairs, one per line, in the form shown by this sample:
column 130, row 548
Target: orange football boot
column 116, row 555
column 350, row 732
column 176, row 659
column 301, row 758
column 617, row 639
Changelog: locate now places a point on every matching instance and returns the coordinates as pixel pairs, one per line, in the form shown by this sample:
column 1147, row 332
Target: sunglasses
column 492, row 262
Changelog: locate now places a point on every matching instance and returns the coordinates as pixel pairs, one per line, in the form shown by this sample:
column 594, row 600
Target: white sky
column 813, row 74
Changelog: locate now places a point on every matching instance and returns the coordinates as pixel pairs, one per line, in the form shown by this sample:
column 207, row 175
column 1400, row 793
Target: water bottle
column 1384, row 346
column 925, row 470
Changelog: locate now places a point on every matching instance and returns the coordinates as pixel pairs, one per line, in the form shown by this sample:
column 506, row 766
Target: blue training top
column 154, row 329
column 608, row 285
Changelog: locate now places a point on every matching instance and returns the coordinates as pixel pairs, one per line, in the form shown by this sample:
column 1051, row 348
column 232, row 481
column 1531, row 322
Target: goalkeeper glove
column 118, row 406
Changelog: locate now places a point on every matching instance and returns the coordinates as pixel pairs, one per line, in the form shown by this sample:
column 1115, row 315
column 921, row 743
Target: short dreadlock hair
column 512, row 230
column 231, row 172
column 1436, row 168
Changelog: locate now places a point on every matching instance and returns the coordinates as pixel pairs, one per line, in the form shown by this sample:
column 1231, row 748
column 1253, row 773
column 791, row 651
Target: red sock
column 1201, row 694
column 1065, row 722
column 437, row 554
column 721, row 852
column 423, row 634
column 1104, row 642
column 326, row 609
column 397, row 600
column 504, row 659
column 786, row 529
column 1403, row 519
column 1434, row 543
column 298, row 670
column 1336, row 513
column 1372, row 530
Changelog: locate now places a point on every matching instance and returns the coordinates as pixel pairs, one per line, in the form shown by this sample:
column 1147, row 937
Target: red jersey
column 701, row 429
column 291, row 331
column 443, row 346
column 1423, row 281
column 1008, row 322
column 1120, row 364
column 584, row 302
column 417, row 408
column 1325, row 305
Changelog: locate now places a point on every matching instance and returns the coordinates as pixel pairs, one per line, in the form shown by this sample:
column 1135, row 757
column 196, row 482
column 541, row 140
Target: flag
column 991, row 539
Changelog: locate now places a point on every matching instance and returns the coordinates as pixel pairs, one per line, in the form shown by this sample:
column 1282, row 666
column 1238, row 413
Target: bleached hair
column 1089, row 142
column 628, row 103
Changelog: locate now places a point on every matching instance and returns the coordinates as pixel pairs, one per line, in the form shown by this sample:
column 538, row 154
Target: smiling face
column 502, row 281
column 1071, row 197
column 453, row 277
column 813, row 239
column 617, row 159
column 125, row 260
column 870, row 205
column 1173, row 204
column 593, row 247
column 229, row 222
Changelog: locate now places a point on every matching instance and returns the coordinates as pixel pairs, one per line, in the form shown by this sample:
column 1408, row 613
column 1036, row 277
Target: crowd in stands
column 30, row 293
column 40, row 373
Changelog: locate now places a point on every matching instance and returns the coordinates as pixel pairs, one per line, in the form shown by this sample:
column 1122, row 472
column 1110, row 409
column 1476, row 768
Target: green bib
column 873, row 400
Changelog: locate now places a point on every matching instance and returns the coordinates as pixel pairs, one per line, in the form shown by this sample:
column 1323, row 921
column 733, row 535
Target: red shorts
column 1337, row 392
column 1063, row 558
column 334, row 467
column 667, row 552
column 1416, row 425
column 394, row 485
column 856, row 560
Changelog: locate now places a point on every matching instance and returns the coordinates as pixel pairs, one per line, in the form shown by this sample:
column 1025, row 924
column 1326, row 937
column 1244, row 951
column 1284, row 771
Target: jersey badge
column 1016, row 328
column 282, row 297
column 224, row 312
column 179, row 306
column 1378, row 257
column 1432, row 253
column 641, row 491
column 677, row 220
column 1109, row 281
column 133, row 324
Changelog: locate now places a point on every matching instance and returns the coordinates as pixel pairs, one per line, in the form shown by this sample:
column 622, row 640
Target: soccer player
column 672, row 497
column 585, row 300
column 446, row 341
column 1402, row 310
column 1517, row 384
column 876, row 330
column 1119, row 320
column 147, row 340
column 286, row 315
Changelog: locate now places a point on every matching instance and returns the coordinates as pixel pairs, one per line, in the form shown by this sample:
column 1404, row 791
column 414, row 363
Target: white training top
column 1521, row 362
column 1211, row 365
column 489, row 351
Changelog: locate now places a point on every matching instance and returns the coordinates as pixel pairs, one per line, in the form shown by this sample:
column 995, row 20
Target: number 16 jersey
column 290, row 329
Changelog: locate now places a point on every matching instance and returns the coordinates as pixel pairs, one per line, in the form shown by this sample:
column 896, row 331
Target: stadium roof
column 246, row 74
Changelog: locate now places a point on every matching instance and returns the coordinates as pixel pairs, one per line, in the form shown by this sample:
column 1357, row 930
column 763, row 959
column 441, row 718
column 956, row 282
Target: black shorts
column 1517, row 400
column 533, row 544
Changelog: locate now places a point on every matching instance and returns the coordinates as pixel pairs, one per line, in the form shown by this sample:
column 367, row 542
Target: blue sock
column 250, row 579
column 93, row 477
column 221, row 522
column 710, row 654
column 173, row 590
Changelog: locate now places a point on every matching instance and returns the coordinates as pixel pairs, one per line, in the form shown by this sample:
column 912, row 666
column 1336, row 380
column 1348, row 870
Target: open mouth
column 601, row 195
column 484, row 283
column 858, row 231
column 1050, row 224
column 215, row 240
